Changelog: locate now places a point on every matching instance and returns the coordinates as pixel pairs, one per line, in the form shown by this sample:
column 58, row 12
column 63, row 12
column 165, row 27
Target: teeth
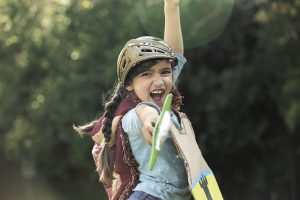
column 157, row 92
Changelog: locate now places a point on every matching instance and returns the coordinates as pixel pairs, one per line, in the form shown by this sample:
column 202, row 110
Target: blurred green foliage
column 57, row 59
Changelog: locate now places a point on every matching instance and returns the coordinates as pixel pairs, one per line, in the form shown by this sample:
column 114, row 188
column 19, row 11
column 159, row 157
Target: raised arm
column 173, row 33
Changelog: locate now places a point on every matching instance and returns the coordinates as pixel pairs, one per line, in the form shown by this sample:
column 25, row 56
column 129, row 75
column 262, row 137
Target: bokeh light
column 202, row 20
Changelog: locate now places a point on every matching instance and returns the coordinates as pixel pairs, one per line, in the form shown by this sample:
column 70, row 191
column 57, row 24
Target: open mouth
column 157, row 95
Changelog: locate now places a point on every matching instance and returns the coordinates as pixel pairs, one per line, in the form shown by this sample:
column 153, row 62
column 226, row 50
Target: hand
column 148, row 127
column 148, row 116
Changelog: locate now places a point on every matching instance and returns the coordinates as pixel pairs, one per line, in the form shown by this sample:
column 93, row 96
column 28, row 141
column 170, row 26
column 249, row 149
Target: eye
column 166, row 71
column 145, row 74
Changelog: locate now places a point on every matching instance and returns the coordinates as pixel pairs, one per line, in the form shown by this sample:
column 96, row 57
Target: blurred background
column 241, row 86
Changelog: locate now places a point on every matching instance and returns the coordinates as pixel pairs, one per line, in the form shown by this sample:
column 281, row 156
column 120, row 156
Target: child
column 147, row 70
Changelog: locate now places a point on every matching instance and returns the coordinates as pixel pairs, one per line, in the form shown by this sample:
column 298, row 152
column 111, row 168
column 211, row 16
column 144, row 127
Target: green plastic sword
column 160, row 132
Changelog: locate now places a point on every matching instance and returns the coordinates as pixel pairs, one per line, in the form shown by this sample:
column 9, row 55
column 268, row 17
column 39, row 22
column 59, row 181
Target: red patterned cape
column 125, row 166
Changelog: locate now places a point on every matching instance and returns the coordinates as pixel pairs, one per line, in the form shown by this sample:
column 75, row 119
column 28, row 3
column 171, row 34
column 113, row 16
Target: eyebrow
column 167, row 67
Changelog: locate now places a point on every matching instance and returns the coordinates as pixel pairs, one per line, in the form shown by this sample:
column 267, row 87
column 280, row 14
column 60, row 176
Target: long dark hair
column 105, row 160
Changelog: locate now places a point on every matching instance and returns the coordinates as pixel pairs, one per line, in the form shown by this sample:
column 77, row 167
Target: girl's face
column 154, row 84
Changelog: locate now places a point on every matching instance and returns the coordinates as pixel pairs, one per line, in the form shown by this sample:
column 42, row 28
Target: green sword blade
column 154, row 152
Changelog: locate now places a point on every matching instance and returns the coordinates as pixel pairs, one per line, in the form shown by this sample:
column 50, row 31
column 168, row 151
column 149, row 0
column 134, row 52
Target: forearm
column 173, row 32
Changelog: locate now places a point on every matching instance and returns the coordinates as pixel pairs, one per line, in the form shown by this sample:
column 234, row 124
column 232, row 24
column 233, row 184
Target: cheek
column 169, row 81
column 140, row 87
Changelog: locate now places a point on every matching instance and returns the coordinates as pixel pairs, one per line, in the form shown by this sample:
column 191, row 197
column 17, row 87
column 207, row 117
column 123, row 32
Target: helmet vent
column 159, row 51
column 146, row 50
column 124, row 64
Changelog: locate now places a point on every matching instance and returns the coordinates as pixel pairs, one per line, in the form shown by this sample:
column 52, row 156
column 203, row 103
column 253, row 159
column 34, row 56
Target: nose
column 158, row 81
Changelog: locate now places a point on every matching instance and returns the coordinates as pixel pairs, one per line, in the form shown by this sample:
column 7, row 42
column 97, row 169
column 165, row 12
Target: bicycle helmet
column 141, row 49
